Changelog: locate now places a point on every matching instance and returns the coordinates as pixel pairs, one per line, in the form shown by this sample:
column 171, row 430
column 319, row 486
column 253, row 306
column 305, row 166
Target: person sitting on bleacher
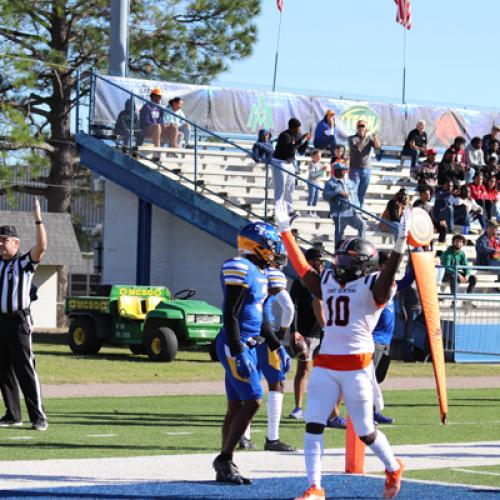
column 488, row 248
column 125, row 123
column 493, row 151
column 447, row 170
column 491, row 198
column 475, row 155
column 460, row 159
column 466, row 209
column 339, row 188
column 324, row 134
column 175, row 127
column 488, row 138
column 151, row 120
column 423, row 202
column 426, row 172
column 394, row 210
column 454, row 256
column 491, row 168
column 416, row 143
column 443, row 213
column 478, row 192
column 338, row 157
column 262, row 150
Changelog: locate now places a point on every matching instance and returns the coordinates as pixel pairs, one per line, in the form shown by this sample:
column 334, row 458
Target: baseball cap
column 329, row 112
column 340, row 166
column 8, row 232
column 313, row 254
column 156, row 91
column 431, row 151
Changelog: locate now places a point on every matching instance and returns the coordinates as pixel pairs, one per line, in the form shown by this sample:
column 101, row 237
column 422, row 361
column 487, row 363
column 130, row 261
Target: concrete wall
column 44, row 309
column 182, row 256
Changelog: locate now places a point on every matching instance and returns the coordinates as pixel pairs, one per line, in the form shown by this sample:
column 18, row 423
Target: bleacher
column 229, row 176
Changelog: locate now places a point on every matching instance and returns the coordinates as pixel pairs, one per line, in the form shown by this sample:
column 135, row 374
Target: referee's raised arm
column 38, row 250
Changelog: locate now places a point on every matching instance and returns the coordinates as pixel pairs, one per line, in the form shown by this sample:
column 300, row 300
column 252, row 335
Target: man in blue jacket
column 488, row 248
column 324, row 134
column 342, row 194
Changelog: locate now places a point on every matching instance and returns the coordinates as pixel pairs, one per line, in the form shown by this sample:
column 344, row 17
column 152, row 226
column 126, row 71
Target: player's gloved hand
column 404, row 227
column 244, row 364
column 285, row 359
column 281, row 217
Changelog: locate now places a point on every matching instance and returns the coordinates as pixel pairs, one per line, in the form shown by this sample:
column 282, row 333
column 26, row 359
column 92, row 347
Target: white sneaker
column 297, row 414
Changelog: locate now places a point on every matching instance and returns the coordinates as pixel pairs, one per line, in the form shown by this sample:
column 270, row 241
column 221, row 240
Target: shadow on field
column 116, row 447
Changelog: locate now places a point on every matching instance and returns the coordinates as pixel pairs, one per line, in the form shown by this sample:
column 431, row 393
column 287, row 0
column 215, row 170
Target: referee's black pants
column 18, row 362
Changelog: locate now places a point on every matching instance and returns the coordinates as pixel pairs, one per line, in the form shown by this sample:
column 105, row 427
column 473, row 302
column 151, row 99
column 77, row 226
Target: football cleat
column 313, row 493
column 227, row 472
column 277, row 445
column 337, row 422
column 393, row 480
column 7, row 421
column 246, row 444
column 297, row 414
column 382, row 419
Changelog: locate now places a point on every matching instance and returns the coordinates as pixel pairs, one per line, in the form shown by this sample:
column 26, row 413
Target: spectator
column 360, row 146
column 394, row 210
column 455, row 256
column 284, row 164
column 338, row 157
column 416, row 143
column 488, row 247
column 175, row 125
column 425, row 195
column 123, row 125
column 339, row 190
column 491, row 167
column 492, row 136
column 151, row 120
column 467, row 209
column 491, row 198
column 447, row 170
column 262, row 150
column 493, row 151
column 316, row 171
column 443, row 213
column 460, row 158
column 324, row 134
column 427, row 172
column 475, row 155
column 478, row 191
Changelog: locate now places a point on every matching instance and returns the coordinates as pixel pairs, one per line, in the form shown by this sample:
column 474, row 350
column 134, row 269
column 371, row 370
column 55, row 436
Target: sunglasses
column 361, row 126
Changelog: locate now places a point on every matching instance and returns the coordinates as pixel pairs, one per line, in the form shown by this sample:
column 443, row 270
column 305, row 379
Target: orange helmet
column 156, row 91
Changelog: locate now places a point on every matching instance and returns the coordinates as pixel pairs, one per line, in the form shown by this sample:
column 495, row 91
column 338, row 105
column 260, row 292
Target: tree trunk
column 62, row 292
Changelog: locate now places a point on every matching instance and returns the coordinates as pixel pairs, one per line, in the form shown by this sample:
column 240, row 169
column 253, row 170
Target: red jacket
column 478, row 192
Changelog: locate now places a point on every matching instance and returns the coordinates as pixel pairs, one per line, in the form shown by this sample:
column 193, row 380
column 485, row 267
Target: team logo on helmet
column 259, row 239
column 355, row 258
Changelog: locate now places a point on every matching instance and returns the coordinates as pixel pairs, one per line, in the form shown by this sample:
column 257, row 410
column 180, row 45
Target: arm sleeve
column 295, row 254
column 271, row 338
column 235, row 295
column 406, row 280
column 287, row 308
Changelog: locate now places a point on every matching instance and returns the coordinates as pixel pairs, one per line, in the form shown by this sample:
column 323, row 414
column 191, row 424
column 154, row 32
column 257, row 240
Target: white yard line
column 258, row 464
column 480, row 472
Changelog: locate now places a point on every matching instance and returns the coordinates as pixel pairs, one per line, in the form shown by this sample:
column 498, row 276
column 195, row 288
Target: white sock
column 248, row 433
column 313, row 451
column 382, row 449
column 274, row 405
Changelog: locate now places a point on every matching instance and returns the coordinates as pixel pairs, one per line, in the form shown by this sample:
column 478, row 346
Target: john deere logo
column 350, row 117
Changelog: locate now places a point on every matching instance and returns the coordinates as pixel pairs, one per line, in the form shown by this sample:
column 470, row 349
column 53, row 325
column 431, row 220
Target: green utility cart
column 144, row 318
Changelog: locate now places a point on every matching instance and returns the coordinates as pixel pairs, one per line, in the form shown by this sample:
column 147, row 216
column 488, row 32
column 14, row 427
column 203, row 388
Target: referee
column 17, row 362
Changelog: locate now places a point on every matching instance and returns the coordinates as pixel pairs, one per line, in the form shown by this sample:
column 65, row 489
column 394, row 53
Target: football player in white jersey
column 353, row 295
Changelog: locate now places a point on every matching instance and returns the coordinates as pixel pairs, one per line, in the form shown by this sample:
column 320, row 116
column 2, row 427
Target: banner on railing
column 246, row 111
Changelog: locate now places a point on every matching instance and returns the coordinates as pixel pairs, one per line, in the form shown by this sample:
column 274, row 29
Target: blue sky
column 355, row 48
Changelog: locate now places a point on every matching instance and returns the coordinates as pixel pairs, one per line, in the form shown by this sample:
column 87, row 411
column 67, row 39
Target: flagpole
column 403, row 96
column 277, row 51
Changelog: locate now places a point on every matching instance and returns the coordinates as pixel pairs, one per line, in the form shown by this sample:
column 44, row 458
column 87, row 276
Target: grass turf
column 487, row 475
column 56, row 364
column 106, row 427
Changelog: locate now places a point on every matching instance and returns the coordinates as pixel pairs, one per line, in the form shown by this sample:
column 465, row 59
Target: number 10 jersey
column 351, row 314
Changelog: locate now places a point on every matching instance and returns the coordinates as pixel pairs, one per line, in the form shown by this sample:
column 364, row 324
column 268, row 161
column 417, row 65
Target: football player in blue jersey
column 274, row 365
column 244, row 283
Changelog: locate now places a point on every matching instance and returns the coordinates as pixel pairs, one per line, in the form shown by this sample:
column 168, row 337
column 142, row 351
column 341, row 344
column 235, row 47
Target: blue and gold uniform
column 270, row 362
column 241, row 272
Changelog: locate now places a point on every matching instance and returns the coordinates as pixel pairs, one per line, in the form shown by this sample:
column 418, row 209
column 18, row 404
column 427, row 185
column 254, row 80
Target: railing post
column 455, row 280
column 195, row 157
column 266, row 192
column 92, row 99
column 132, row 124
column 77, row 110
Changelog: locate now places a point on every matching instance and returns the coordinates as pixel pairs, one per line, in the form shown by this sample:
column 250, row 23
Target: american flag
column 279, row 4
column 403, row 14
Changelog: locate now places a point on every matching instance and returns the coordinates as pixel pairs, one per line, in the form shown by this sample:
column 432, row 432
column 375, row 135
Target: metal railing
column 130, row 141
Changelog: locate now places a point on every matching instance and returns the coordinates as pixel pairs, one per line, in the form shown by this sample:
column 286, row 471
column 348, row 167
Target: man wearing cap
column 360, row 146
column 416, row 143
column 151, row 119
column 339, row 190
column 324, row 135
column 16, row 356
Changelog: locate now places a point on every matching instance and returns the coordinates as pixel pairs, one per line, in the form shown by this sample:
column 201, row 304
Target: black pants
column 17, row 364
column 450, row 278
column 381, row 361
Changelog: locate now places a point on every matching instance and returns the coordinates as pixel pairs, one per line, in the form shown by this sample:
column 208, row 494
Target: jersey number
column 341, row 314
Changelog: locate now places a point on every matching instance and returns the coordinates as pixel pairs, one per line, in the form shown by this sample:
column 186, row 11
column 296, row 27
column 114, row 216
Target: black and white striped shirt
column 16, row 276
